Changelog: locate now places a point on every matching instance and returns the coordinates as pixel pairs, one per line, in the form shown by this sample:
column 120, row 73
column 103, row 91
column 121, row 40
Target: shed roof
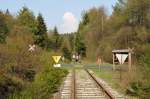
column 121, row 51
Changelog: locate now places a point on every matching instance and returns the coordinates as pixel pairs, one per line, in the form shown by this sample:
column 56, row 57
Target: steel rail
column 73, row 91
column 101, row 86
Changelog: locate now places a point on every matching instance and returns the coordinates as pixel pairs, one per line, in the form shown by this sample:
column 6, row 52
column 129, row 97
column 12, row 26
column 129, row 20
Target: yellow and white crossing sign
column 56, row 58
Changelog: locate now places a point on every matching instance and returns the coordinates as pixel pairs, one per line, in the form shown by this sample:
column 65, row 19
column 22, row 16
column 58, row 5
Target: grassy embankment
column 117, row 79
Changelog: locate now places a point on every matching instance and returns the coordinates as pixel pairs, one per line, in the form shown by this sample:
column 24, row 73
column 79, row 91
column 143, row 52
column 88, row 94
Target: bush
column 46, row 83
column 134, row 89
column 142, row 89
column 9, row 85
column 145, row 72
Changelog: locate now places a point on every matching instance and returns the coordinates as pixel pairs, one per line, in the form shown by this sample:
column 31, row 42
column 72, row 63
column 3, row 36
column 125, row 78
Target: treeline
column 24, row 74
column 127, row 27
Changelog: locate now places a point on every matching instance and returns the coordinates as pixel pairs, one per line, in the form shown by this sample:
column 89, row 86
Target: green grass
column 115, row 79
column 110, row 76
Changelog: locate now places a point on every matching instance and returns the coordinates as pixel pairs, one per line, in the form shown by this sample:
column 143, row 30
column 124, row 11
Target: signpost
column 122, row 56
column 56, row 59
column 99, row 62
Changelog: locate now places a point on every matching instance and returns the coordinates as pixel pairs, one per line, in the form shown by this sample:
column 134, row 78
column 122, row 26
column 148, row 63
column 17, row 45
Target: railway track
column 66, row 88
column 86, row 88
column 81, row 84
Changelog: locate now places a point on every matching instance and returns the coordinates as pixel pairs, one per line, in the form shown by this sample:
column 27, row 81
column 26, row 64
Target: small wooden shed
column 122, row 56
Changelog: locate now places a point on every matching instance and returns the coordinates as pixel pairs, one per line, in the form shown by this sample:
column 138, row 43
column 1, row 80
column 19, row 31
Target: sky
column 65, row 14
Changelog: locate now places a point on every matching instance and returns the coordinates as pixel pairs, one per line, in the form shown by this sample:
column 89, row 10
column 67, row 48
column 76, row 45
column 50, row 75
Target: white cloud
column 70, row 23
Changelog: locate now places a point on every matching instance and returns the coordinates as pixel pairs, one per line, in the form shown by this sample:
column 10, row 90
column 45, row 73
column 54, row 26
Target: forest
column 26, row 75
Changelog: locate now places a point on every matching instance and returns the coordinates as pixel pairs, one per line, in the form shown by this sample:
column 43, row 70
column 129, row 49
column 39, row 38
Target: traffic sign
column 121, row 57
column 57, row 65
column 56, row 58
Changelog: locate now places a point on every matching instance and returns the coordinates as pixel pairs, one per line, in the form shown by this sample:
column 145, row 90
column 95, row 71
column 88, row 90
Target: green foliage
column 56, row 39
column 128, row 26
column 92, row 30
column 33, row 72
column 145, row 71
column 85, row 21
column 20, row 69
column 71, row 38
column 134, row 89
column 55, row 31
column 8, row 85
column 3, row 28
column 10, row 20
column 27, row 18
column 41, row 33
column 66, row 48
column 66, row 53
column 44, row 85
column 141, row 87
column 144, row 61
column 137, row 11
column 80, row 47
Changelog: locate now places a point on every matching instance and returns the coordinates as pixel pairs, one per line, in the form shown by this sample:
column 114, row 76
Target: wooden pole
column 113, row 61
column 129, row 61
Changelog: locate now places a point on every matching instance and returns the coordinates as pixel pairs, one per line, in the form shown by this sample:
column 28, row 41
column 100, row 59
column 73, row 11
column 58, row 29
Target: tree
column 55, row 31
column 56, row 39
column 27, row 18
column 7, row 12
column 92, row 29
column 80, row 47
column 10, row 20
column 3, row 28
column 41, row 34
column 131, row 24
column 84, row 22
column 66, row 53
column 145, row 71
column 66, row 47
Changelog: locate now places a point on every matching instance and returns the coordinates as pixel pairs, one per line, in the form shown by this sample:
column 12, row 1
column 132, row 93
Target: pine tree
column 66, row 47
column 85, row 18
column 80, row 47
column 55, row 31
column 41, row 34
column 7, row 12
column 84, row 22
column 27, row 18
column 66, row 53
column 56, row 41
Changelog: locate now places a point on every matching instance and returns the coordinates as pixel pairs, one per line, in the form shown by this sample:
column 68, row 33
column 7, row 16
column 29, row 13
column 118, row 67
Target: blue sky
column 65, row 14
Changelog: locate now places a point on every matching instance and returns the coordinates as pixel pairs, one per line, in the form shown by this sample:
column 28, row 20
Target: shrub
column 9, row 85
column 134, row 89
column 46, row 83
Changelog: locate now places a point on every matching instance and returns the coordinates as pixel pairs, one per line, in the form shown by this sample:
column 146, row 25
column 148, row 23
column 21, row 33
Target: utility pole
column 74, row 49
column 102, row 23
